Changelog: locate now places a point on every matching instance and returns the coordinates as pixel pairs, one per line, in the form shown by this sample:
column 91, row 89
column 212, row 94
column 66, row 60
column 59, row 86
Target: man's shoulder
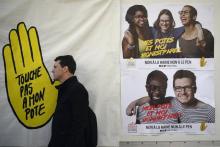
column 77, row 86
column 73, row 85
column 169, row 98
column 203, row 104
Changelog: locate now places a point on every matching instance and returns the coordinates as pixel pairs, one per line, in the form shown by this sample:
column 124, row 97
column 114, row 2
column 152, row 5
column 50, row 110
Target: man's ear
column 195, row 89
column 65, row 68
column 147, row 87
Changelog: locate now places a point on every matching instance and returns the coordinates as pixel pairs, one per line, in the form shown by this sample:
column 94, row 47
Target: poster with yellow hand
column 31, row 92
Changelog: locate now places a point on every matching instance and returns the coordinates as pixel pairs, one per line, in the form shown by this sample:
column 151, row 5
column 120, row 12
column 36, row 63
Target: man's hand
column 30, row 90
column 131, row 109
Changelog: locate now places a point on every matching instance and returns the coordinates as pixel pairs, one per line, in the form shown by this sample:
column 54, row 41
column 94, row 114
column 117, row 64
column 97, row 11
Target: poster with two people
column 167, row 68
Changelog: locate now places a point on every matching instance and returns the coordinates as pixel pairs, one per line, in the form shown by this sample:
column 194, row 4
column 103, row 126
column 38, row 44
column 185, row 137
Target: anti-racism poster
column 167, row 101
column 31, row 92
column 167, row 69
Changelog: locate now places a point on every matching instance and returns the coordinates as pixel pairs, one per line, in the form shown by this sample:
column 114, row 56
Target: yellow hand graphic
column 31, row 92
column 203, row 126
column 202, row 62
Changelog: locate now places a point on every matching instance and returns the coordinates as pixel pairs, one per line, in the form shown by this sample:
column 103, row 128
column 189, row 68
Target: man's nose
column 183, row 90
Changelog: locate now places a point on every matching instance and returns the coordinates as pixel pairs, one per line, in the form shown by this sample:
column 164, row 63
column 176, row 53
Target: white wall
column 90, row 31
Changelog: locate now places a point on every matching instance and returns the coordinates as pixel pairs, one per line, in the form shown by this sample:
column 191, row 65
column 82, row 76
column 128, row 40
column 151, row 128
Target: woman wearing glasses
column 166, row 35
column 194, row 42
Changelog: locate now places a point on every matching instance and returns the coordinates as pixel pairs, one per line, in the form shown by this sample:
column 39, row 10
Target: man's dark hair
column 67, row 60
column 184, row 74
column 156, row 74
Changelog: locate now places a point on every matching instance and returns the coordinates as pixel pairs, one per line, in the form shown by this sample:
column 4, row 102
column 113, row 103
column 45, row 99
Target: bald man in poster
column 157, row 109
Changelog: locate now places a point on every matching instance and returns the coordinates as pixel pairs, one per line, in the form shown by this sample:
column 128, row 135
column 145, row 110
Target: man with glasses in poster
column 191, row 109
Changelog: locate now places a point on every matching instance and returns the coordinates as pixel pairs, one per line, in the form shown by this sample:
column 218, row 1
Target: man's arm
column 79, row 108
column 131, row 108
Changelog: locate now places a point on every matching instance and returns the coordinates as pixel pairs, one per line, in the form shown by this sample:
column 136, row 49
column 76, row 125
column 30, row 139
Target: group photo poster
column 167, row 101
column 167, row 68
column 162, row 35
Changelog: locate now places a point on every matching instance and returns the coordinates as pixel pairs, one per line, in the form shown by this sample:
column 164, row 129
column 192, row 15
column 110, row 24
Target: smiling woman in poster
column 166, row 35
column 191, row 45
column 138, row 37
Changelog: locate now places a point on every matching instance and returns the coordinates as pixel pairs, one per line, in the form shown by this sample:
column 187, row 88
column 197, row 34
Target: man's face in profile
column 156, row 89
column 57, row 71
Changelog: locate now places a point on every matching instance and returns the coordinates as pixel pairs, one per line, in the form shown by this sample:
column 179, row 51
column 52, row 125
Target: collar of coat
column 72, row 79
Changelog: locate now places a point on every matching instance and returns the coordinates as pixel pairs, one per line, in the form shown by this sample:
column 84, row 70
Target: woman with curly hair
column 138, row 37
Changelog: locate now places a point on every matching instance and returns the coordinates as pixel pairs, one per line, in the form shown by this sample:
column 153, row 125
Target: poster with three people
column 167, row 68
